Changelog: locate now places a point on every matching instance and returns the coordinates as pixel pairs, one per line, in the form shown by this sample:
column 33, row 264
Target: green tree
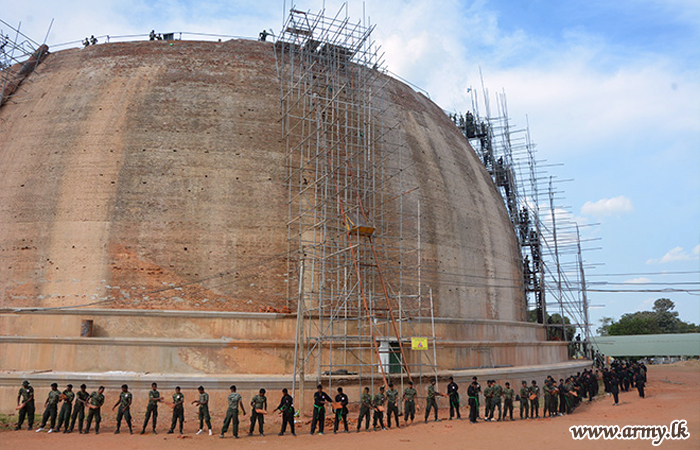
column 661, row 320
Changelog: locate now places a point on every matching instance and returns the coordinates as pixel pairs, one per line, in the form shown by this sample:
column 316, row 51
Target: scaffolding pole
column 348, row 209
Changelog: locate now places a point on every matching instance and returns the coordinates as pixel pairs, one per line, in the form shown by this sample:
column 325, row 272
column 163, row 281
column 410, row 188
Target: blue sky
column 610, row 89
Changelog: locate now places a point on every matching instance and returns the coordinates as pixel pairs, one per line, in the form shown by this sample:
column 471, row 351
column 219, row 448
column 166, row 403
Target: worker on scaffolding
column 152, row 35
column 93, row 40
column 263, row 35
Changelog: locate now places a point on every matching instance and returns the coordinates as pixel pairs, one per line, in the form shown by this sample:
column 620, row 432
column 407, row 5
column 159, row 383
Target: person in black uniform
column 452, row 393
column 342, row 412
column 614, row 387
column 475, row 382
column 286, row 407
column 319, row 417
column 473, row 393
column 639, row 381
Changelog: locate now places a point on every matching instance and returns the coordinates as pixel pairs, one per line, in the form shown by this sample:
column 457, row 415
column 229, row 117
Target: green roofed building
column 649, row 345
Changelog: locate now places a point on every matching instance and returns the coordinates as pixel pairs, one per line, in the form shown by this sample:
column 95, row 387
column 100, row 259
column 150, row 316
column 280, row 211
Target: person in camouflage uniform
column 409, row 403
column 286, row 407
column 50, row 408
column 488, row 396
column 508, row 396
column 258, row 403
column 524, row 401
column 535, row 401
column 497, row 392
column 124, row 403
column 26, row 396
column 152, row 407
column 392, row 397
column 178, row 410
column 203, row 410
column 95, row 402
column 81, row 398
column 378, row 404
column 547, row 390
column 365, row 406
column 235, row 402
column 431, row 401
column 64, row 415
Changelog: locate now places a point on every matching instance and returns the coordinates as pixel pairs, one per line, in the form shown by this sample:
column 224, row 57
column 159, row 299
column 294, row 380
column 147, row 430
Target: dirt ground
column 673, row 393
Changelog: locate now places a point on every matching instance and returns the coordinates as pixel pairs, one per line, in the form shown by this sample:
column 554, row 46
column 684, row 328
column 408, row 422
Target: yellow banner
column 419, row 343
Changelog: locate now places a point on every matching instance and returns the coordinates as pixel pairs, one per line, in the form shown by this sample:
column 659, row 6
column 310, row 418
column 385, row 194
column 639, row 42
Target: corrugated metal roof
column 687, row 344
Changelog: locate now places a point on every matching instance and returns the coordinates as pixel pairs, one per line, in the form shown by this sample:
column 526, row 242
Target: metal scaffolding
column 19, row 58
column 552, row 264
column 351, row 218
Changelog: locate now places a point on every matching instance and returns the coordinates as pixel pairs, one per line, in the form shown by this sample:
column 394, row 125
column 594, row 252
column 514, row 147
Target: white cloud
column 638, row 280
column 677, row 254
column 647, row 304
column 608, row 206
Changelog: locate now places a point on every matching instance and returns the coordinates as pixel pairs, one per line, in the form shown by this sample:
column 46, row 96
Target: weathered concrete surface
column 205, row 342
column 150, row 175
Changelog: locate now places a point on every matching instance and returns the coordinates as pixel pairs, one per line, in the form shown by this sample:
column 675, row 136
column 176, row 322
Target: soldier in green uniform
column 50, row 408
column 508, row 395
column 496, row 400
column 152, row 407
column 535, row 401
column 26, row 396
column 95, row 402
column 392, row 397
column 409, row 403
column 378, row 404
column 488, row 396
column 286, row 407
column 524, row 401
column 178, row 410
column 257, row 412
column 64, row 415
column 365, row 406
column 203, row 412
column 235, row 401
column 124, row 403
column 431, row 401
column 547, row 394
column 81, row 398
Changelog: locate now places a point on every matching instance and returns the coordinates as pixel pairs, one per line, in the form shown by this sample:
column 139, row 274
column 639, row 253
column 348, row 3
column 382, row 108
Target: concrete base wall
column 196, row 342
